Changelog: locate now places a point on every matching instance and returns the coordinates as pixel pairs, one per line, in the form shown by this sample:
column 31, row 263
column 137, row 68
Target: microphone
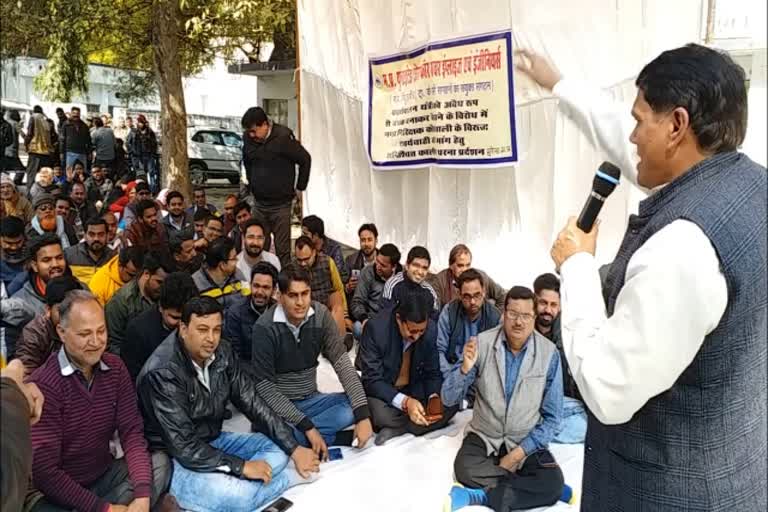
column 606, row 179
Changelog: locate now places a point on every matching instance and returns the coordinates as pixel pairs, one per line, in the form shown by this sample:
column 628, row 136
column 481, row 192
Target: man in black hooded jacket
column 270, row 156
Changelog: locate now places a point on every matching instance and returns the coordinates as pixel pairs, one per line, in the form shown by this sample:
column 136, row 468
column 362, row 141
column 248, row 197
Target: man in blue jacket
column 400, row 367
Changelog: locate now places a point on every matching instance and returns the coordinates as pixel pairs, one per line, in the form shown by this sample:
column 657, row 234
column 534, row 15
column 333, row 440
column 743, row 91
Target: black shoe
column 385, row 434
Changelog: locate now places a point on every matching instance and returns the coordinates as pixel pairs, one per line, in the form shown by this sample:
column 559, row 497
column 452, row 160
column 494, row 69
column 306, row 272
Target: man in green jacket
column 134, row 298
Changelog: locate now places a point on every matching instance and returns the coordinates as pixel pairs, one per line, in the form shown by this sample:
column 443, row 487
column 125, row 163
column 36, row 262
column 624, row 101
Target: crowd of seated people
column 145, row 328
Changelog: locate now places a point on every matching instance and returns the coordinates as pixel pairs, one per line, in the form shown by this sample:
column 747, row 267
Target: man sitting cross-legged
column 287, row 341
column 459, row 324
column 184, row 389
column 88, row 396
column 398, row 359
column 504, row 460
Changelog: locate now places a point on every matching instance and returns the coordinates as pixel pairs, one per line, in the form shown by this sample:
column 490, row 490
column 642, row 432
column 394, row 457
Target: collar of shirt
column 280, row 317
column 68, row 369
column 203, row 375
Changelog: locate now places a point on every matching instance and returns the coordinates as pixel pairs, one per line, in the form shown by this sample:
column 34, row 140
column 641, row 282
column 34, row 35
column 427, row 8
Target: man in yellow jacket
column 118, row 271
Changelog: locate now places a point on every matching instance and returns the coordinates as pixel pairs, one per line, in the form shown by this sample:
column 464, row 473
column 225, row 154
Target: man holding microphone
column 670, row 357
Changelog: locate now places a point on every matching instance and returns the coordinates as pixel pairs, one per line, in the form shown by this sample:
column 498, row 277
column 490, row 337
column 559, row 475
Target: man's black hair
column 392, row 252
column 368, row 227
column 709, row 85
column 254, row 221
column 142, row 186
column 200, row 306
column 304, row 241
column 133, row 254
column 469, row 275
column 242, row 205
column 41, row 241
column 418, row 252
column 290, row 273
column 254, row 116
column 154, row 262
column 546, row 282
column 265, row 268
column 519, row 293
column 202, row 214
column 96, row 221
column 144, row 205
column 416, row 305
column 218, row 251
column 173, row 194
column 177, row 289
column 176, row 239
column 57, row 288
column 11, row 227
column 314, row 225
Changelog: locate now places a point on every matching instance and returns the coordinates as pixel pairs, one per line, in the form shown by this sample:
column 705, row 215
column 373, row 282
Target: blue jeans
column 573, row 426
column 331, row 413
column 148, row 164
column 357, row 330
column 71, row 157
column 203, row 492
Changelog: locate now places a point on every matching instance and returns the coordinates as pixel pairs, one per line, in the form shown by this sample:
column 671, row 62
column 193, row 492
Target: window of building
column 277, row 110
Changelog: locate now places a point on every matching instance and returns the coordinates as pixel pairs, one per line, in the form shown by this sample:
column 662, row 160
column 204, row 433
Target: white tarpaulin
column 508, row 216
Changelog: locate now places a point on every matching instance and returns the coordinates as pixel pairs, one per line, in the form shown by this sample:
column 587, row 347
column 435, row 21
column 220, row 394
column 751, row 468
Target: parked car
column 213, row 153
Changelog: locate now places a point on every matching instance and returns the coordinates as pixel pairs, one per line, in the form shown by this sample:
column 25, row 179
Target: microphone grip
column 589, row 213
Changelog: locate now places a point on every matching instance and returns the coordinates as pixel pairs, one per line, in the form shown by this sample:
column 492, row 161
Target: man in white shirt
column 253, row 245
column 672, row 360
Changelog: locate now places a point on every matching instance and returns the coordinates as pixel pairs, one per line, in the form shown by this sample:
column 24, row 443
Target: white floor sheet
column 408, row 474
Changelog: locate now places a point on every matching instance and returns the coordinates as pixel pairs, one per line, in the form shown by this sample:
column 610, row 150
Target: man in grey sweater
column 103, row 139
column 504, row 462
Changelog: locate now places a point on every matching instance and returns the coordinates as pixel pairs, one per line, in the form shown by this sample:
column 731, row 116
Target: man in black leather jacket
column 183, row 391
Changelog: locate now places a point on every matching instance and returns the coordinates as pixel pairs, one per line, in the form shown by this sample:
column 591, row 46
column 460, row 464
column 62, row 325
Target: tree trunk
column 173, row 111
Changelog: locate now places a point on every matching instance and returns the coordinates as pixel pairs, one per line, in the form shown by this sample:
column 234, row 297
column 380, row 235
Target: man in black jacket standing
column 184, row 389
column 270, row 156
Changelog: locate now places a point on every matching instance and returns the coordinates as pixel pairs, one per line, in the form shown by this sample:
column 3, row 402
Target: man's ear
column 680, row 122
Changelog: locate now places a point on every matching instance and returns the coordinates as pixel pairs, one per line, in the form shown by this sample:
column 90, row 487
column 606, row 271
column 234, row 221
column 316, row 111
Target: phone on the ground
column 279, row 505
column 335, row 454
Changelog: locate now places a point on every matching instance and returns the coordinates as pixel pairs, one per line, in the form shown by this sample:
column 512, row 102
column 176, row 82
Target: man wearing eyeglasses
column 504, row 462
column 219, row 277
column 460, row 322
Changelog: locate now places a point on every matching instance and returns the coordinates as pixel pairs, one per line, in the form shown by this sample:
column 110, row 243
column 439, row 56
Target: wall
column 280, row 87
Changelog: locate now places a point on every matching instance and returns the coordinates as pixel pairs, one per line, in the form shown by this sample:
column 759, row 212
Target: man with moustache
column 86, row 257
column 183, row 251
column 253, row 248
column 147, row 232
column 46, row 262
column 177, row 219
column 242, row 213
column 366, row 256
column 239, row 320
column 12, row 253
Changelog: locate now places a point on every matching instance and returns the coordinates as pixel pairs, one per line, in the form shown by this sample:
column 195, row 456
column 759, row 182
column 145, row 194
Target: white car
column 213, row 153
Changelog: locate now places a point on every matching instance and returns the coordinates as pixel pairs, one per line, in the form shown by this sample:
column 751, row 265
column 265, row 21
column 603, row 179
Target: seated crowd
column 143, row 319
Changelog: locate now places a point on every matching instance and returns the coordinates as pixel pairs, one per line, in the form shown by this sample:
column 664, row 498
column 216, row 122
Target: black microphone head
column 606, row 179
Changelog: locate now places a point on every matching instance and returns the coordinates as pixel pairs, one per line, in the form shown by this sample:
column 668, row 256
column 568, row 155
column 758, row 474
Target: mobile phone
column 335, row 454
column 356, row 273
column 279, row 505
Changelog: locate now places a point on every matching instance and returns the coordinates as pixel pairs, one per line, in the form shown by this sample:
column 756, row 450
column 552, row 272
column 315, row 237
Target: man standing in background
column 270, row 156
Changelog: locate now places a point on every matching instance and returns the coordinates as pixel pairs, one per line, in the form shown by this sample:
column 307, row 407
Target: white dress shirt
column 673, row 296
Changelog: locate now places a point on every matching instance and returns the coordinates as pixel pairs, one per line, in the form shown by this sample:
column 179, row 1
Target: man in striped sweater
column 88, row 396
column 414, row 274
column 287, row 341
